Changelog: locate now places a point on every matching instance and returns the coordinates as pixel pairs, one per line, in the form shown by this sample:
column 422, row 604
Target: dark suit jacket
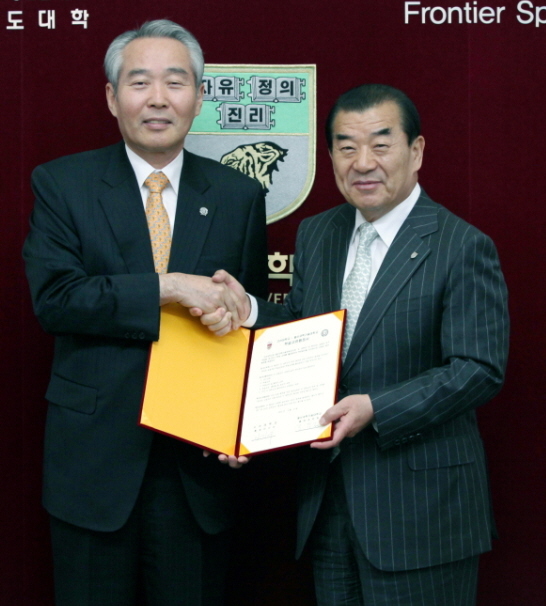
column 90, row 268
column 430, row 346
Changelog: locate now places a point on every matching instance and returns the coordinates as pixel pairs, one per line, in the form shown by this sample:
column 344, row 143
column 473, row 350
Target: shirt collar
column 388, row 225
column 142, row 169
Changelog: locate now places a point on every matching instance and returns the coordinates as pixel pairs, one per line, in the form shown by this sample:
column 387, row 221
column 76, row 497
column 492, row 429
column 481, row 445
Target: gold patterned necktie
column 355, row 288
column 158, row 221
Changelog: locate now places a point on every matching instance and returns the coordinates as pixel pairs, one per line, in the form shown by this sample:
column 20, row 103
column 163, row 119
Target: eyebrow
column 170, row 70
column 137, row 72
column 178, row 70
column 377, row 133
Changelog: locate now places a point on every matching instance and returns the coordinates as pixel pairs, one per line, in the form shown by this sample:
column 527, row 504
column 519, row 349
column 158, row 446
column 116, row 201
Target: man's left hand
column 231, row 460
column 349, row 416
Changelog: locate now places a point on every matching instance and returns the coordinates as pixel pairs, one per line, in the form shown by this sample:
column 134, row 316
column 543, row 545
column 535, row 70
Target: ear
column 111, row 99
column 199, row 104
column 417, row 149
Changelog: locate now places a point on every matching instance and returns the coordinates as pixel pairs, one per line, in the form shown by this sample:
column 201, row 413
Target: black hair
column 363, row 97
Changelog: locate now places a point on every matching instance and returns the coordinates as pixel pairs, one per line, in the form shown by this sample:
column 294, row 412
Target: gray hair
column 161, row 28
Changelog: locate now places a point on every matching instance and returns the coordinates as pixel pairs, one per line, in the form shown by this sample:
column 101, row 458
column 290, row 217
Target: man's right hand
column 221, row 305
column 219, row 321
column 223, row 277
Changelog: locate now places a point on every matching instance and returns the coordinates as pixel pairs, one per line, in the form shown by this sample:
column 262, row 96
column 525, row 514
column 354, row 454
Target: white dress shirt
column 387, row 227
column 172, row 171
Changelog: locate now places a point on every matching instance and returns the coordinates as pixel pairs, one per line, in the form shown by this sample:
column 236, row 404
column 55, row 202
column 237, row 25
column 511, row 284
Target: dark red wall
column 480, row 90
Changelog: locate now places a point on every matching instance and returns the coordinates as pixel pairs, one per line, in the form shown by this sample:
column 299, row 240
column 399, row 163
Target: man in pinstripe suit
column 396, row 506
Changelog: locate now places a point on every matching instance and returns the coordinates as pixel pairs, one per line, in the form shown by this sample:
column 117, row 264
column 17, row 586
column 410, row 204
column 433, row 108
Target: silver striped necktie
column 356, row 285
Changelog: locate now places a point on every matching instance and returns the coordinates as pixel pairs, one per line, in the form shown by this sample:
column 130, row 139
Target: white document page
column 292, row 381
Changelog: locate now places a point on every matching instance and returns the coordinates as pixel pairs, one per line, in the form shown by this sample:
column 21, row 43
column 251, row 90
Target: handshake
column 220, row 302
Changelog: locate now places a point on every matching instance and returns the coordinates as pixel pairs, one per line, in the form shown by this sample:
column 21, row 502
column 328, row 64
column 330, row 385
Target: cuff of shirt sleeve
column 253, row 316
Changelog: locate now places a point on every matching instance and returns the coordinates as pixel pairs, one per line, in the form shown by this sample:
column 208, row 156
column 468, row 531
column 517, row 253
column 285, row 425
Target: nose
column 157, row 97
column 364, row 160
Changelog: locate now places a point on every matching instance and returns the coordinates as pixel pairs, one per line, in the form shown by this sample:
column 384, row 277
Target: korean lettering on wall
column 263, row 91
column 16, row 20
column 281, row 267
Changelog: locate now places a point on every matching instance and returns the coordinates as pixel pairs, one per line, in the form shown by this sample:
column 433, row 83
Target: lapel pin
column 413, row 255
column 203, row 211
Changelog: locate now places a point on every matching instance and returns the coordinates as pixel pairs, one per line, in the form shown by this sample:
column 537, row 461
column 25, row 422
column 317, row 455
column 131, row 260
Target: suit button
column 141, row 335
column 127, row 335
column 404, row 440
column 397, row 442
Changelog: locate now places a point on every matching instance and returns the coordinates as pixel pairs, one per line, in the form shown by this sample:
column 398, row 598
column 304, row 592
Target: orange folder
column 196, row 382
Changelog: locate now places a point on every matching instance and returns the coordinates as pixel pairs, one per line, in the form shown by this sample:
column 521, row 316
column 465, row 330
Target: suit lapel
column 194, row 215
column 334, row 256
column 122, row 204
column 405, row 255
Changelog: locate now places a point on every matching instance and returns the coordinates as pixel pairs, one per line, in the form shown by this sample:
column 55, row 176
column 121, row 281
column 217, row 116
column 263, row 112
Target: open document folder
column 250, row 391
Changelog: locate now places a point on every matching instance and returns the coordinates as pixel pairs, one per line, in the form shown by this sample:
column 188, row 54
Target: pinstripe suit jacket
column 429, row 347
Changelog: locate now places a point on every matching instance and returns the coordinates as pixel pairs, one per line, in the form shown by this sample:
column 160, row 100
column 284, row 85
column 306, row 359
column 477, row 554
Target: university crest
column 261, row 120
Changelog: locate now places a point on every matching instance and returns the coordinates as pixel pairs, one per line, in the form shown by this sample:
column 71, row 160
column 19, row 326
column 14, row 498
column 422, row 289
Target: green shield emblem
column 261, row 120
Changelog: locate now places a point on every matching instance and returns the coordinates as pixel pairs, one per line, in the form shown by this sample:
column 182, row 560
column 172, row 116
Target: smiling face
column 156, row 100
column 374, row 167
